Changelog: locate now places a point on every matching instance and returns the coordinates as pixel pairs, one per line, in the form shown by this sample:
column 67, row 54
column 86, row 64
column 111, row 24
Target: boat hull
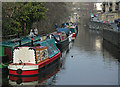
column 36, row 80
column 64, row 45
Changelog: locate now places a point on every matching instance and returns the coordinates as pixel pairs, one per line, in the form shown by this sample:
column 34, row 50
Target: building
column 110, row 11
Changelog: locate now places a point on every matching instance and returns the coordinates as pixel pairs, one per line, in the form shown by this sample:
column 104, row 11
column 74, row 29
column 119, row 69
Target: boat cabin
column 7, row 46
column 73, row 29
column 66, row 30
column 59, row 36
column 32, row 55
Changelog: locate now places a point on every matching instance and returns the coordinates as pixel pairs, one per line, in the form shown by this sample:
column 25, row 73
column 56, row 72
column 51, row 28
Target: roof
column 57, row 33
column 52, row 48
column 72, row 26
column 24, row 40
column 66, row 30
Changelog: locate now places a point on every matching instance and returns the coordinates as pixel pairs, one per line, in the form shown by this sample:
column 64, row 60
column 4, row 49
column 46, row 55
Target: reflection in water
column 115, row 54
column 98, row 44
column 115, row 51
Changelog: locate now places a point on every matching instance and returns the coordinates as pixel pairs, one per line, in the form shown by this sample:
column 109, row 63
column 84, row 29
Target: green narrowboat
column 6, row 49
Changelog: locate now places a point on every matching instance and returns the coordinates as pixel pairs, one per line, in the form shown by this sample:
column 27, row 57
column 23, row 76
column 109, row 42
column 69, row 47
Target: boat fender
column 19, row 81
column 19, row 71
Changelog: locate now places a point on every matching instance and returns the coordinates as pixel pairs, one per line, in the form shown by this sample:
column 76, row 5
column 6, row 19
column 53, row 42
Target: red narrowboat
column 30, row 60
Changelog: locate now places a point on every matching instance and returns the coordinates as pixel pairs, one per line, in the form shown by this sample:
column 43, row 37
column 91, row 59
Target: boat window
column 44, row 54
column 52, row 49
column 57, row 37
column 41, row 54
column 49, row 50
column 63, row 37
column 38, row 56
column 45, row 43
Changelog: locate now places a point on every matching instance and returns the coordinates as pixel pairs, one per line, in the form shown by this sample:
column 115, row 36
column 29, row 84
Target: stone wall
column 112, row 36
column 115, row 51
column 108, row 32
column 95, row 25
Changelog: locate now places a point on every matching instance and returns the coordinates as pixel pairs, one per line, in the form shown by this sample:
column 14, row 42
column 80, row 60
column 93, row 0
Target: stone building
column 110, row 11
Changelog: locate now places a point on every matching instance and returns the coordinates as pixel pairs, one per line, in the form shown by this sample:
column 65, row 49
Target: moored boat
column 74, row 32
column 6, row 49
column 62, row 41
column 67, row 31
column 31, row 60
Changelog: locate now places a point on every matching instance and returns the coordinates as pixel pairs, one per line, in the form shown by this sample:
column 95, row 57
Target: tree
column 15, row 14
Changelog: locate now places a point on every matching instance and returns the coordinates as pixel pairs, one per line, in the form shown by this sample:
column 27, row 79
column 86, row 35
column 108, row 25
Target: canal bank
column 112, row 36
column 108, row 31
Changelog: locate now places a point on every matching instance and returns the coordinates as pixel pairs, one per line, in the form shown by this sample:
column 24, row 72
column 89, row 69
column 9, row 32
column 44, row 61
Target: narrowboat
column 31, row 60
column 44, row 78
column 6, row 49
column 74, row 32
column 61, row 40
column 67, row 31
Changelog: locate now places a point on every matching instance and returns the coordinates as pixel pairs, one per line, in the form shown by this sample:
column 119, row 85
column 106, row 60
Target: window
column 38, row 56
column 44, row 54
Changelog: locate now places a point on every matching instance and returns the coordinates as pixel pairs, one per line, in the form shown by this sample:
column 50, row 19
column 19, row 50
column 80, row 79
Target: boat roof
column 37, row 47
column 57, row 33
column 66, row 30
column 24, row 40
column 72, row 26
column 50, row 43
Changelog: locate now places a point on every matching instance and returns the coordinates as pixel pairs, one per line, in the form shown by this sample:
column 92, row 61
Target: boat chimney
column 32, row 41
column 20, row 43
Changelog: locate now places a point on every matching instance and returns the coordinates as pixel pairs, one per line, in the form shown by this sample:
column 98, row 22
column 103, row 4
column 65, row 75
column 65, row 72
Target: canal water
column 87, row 62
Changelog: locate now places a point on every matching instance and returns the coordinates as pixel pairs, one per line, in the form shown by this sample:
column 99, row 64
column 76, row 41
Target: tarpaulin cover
column 24, row 41
column 66, row 30
column 52, row 48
